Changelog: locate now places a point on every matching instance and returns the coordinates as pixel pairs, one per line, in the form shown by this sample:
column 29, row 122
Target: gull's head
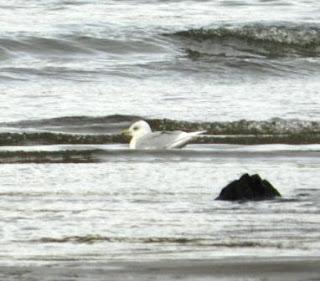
column 139, row 129
column 136, row 131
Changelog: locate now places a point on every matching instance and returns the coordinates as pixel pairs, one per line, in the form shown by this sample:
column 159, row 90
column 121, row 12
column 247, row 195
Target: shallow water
column 156, row 207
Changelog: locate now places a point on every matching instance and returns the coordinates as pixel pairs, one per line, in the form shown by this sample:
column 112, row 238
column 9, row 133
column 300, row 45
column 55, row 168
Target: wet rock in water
column 248, row 188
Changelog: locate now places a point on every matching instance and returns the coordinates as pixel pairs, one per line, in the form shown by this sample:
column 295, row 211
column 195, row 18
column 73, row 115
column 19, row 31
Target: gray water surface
column 154, row 208
column 206, row 61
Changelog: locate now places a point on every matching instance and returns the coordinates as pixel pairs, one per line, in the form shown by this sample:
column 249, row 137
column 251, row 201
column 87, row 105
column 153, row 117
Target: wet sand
column 282, row 269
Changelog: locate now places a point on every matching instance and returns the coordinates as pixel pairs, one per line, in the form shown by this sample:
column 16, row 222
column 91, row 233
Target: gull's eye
column 135, row 128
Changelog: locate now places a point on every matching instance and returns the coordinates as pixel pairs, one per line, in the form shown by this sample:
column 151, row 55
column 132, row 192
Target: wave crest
column 107, row 130
column 273, row 40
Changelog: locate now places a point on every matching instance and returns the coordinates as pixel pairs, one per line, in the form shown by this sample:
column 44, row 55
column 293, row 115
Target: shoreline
column 240, row 268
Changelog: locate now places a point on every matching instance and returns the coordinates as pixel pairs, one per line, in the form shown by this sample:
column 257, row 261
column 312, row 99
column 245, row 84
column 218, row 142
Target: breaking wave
column 107, row 130
column 82, row 139
column 260, row 39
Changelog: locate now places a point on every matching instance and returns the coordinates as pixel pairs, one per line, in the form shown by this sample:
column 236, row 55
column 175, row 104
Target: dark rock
column 248, row 188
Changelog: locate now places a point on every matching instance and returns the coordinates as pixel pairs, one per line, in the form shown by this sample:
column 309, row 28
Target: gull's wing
column 165, row 140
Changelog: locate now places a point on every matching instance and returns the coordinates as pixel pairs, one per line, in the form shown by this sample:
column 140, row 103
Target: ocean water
column 73, row 74
column 191, row 60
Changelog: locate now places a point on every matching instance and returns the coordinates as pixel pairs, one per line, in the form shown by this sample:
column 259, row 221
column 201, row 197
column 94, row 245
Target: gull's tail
column 185, row 138
column 194, row 134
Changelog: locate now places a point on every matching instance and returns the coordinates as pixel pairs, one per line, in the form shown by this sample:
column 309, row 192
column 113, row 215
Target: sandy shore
column 282, row 269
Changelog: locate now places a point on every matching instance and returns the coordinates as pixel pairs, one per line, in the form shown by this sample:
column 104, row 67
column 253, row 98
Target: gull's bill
column 144, row 138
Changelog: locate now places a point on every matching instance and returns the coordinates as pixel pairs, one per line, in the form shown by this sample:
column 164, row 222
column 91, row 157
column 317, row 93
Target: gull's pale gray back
column 163, row 140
